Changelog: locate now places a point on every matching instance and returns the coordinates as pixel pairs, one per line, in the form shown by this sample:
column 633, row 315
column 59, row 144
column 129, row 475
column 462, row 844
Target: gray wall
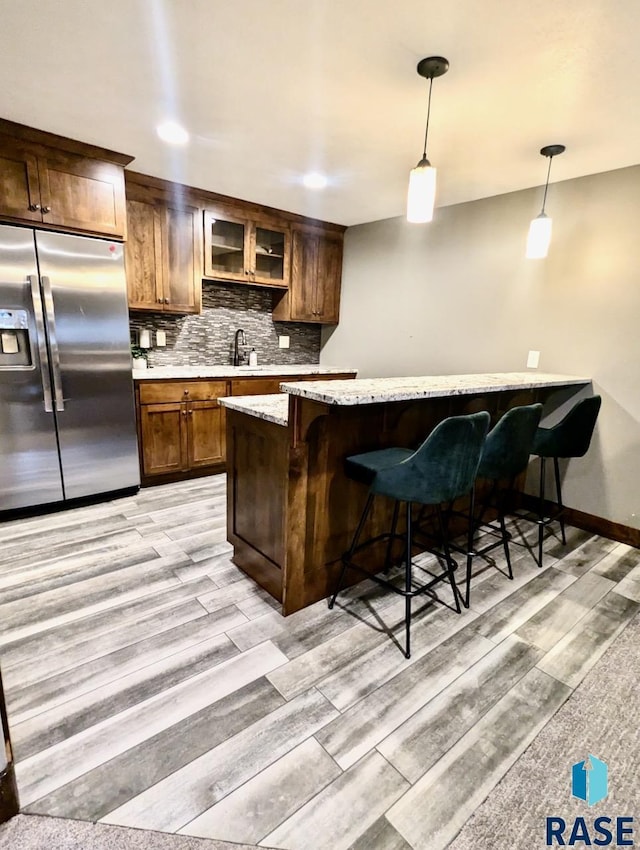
column 458, row 296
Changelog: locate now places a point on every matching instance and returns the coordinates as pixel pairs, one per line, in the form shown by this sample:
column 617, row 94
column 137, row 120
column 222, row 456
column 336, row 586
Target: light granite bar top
column 273, row 408
column 378, row 390
column 268, row 370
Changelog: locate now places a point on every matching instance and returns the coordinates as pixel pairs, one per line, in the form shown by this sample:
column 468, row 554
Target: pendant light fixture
column 422, row 180
column 540, row 228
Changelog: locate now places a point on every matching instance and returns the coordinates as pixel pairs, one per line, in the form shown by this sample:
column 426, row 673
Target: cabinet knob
column 246, row 271
column 184, row 412
column 34, row 207
column 46, row 209
column 191, row 413
column 166, row 300
column 186, row 392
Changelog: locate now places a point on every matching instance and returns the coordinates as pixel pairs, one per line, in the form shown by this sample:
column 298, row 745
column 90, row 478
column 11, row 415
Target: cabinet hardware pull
column 246, row 271
column 184, row 412
column 166, row 300
column 191, row 413
column 186, row 392
column 34, row 207
column 46, row 209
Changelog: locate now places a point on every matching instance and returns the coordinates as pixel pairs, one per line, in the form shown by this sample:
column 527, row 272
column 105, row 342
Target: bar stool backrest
column 571, row 437
column 442, row 468
column 510, row 442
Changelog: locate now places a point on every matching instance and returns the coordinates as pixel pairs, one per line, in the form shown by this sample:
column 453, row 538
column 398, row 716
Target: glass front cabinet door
column 244, row 250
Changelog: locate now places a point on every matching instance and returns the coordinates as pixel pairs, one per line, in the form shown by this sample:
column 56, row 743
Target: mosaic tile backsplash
column 208, row 338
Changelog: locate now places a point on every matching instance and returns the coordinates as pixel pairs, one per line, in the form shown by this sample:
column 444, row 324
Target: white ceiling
column 270, row 89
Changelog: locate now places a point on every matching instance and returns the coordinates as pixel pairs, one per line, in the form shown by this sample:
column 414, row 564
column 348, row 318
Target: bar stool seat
column 365, row 466
column 441, row 470
column 571, row 437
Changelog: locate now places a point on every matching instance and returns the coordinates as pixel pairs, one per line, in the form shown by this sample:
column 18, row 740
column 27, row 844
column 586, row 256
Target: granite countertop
column 376, row 390
column 268, row 370
column 273, row 408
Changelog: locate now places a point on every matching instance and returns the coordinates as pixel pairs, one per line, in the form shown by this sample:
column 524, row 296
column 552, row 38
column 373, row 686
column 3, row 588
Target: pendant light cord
column 426, row 132
column 546, row 187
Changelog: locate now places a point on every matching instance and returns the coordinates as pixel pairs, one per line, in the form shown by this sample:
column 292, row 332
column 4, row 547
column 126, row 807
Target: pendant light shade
column 539, row 237
column 422, row 193
column 422, row 179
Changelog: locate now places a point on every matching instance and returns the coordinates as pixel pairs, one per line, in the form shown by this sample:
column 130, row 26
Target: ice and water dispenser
column 15, row 350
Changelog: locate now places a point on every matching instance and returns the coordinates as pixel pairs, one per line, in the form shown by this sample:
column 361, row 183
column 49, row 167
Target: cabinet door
column 163, row 437
column 269, row 254
column 19, row 185
column 226, row 246
column 329, row 275
column 304, row 276
column 206, row 433
column 81, row 193
column 143, row 256
column 182, row 278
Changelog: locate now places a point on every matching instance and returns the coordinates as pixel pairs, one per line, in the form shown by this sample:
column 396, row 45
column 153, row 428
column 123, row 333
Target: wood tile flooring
column 151, row 684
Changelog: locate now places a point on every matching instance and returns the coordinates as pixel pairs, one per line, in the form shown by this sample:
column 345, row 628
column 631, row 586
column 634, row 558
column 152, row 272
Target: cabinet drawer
column 256, row 386
column 158, row 391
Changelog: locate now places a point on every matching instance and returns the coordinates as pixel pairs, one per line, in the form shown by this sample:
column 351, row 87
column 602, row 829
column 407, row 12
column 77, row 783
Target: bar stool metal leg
column 556, row 469
column 407, row 586
column 392, row 536
column 505, row 534
column 354, row 543
column 470, row 534
column 541, row 511
column 449, row 560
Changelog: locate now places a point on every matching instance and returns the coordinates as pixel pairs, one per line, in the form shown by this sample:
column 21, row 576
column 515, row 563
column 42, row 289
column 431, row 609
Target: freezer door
column 85, row 304
column 29, row 462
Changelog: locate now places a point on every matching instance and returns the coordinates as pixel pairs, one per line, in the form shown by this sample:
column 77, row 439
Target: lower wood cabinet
column 181, row 427
column 181, row 424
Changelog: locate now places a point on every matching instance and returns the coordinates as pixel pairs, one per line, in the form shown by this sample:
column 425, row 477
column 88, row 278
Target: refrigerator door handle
column 42, row 346
column 53, row 342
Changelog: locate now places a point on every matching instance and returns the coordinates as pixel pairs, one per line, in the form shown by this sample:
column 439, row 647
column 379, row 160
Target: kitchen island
column 291, row 511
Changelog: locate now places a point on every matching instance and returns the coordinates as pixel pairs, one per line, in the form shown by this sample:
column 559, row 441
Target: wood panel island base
column 291, row 511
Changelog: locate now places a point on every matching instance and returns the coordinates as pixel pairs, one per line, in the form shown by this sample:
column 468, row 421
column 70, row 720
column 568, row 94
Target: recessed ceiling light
column 313, row 180
column 173, row 133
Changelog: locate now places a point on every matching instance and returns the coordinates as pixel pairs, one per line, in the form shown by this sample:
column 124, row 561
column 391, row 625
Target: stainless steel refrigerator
column 67, row 420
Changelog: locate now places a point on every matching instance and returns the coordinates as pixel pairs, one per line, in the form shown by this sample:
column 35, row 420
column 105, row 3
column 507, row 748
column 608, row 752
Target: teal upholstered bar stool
column 571, row 437
column 505, row 455
column 441, row 470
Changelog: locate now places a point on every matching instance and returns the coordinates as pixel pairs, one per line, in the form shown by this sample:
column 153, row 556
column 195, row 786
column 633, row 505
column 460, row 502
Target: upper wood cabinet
column 316, row 273
column 162, row 253
column 60, row 183
column 246, row 250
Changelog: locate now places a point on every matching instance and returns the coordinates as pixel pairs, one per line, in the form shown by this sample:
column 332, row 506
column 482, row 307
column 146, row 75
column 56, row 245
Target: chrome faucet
column 240, row 339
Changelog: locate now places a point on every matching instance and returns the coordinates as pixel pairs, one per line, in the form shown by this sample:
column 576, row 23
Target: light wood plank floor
column 151, row 684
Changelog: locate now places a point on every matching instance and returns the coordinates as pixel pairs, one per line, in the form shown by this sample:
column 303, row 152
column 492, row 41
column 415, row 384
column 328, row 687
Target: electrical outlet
column 533, row 359
column 283, row 342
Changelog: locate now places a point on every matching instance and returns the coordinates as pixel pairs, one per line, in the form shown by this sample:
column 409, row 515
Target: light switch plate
column 161, row 339
column 533, row 359
column 283, row 342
